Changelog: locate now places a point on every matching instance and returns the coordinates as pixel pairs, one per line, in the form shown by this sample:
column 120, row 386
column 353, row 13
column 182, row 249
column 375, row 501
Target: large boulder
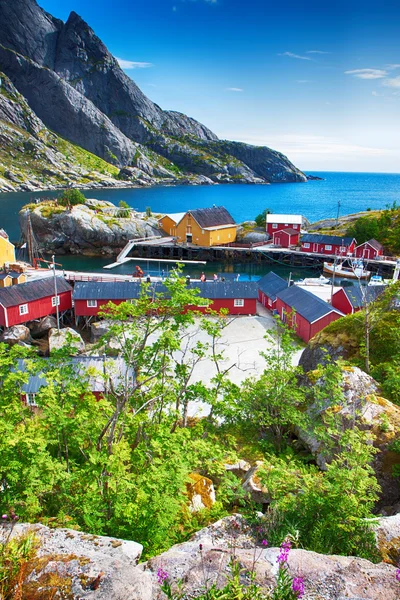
column 363, row 405
column 200, row 491
column 39, row 328
column 387, row 531
column 17, row 334
column 65, row 337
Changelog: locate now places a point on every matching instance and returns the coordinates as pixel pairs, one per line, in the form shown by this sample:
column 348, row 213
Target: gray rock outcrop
column 94, row 227
column 65, row 337
column 17, row 334
column 80, row 560
column 77, row 88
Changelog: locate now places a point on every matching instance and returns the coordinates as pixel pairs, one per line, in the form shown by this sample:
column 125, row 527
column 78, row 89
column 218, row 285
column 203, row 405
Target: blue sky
column 319, row 82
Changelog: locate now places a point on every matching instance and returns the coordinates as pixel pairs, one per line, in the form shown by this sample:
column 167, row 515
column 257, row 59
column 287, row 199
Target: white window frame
column 55, row 301
column 91, row 303
column 23, row 309
column 306, row 244
column 31, row 399
column 295, row 226
column 343, row 248
column 286, row 224
column 328, row 246
column 274, row 225
column 238, row 302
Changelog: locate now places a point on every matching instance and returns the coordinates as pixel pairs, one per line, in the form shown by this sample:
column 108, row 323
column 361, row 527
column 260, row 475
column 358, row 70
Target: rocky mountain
column 77, row 89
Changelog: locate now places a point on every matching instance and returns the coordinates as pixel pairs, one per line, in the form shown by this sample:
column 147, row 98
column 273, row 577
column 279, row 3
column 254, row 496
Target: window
column 274, row 225
column 306, row 245
column 23, row 309
column 328, row 247
column 91, row 303
column 295, row 226
column 238, row 302
column 342, row 248
column 286, row 224
column 31, row 399
column 55, row 301
column 269, row 302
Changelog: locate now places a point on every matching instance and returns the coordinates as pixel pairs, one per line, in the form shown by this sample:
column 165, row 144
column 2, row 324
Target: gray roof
column 32, row 290
column 271, row 284
column 355, row 294
column 212, row 217
column 115, row 369
column 374, row 243
column 306, row 304
column 4, row 275
column 319, row 238
column 130, row 290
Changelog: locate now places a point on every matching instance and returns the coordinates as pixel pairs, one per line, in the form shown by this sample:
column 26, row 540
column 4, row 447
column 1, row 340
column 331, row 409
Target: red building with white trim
column 276, row 223
column 268, row 287
column 238, row 297
column 370, row 249
column 286, row 237
column 304, row 312
column 33, row 300
column 353, row 298
column 327, row 244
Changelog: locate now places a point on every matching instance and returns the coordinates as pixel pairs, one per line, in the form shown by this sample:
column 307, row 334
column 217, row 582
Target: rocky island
column 69, row 115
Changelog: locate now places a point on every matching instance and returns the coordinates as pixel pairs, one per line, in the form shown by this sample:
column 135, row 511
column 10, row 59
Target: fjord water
column 314, row 199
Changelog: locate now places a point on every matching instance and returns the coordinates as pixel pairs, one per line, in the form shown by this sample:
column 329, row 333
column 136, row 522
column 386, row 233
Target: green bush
column 71, row 198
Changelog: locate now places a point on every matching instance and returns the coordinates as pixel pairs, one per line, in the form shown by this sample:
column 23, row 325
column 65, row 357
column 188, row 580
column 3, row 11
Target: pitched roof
column 130, row 290
column 271, row 284
column 5, row 275
column 306, row 304
column 288, row 230
column 374, row 243
column 334, row 240
column 212, row 217
column 176, row 217
column 115, row 368
column 357, row 295
column 290, row 219
column 32, row 290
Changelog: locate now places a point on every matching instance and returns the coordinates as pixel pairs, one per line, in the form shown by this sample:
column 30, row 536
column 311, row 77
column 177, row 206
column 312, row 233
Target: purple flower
column 264, row 543
column 298, row 586
column 161, row 576
column 4, row 517
column 398, row 574
column 284, row 552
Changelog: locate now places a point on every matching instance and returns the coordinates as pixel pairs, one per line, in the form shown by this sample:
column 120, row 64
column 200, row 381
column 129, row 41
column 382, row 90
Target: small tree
column 261, row 219
column 71, row 198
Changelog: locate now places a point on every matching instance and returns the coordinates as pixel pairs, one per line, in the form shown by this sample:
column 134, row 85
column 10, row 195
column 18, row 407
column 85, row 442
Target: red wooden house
column 286, row 237
column 268, row 287
column 238, row 297
column 101, row 373
column 304, row 312
column 275, row 223
column 353, row 298
column 33, row 300
column 327, row 244
column 370, row 249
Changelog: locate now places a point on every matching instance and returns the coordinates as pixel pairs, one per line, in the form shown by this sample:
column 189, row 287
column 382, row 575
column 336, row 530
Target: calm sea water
column 314, row 199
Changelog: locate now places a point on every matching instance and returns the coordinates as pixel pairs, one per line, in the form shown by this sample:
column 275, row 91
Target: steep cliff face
column 77, row 88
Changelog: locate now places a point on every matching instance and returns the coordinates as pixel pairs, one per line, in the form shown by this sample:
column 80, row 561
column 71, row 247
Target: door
column 189, row 238
column 315, row 247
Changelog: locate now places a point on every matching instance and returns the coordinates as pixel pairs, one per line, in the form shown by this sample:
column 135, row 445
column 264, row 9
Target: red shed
column 238, row 297
column 370, row 249
column 268, row 287
column 304, row 312
column 352, row 299
column 327, row 244
column 286, row 237
column 33, row 300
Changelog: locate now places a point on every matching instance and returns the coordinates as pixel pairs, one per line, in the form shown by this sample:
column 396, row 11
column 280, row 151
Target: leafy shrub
column 71, row 198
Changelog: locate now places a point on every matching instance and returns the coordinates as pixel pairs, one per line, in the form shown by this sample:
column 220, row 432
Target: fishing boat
column 321, row 280
column 356, row 270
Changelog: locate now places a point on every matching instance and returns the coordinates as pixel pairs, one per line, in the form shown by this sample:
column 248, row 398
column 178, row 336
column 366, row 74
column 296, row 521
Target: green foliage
column 261, row 219
column 71, row 197
column 383, row 226
column 15, row 554
column 148, row 211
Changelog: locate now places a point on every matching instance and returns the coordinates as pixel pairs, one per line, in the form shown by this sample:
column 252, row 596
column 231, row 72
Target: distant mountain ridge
column 78, row 90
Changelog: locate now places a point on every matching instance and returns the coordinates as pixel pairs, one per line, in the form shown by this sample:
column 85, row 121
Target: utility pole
column 337, row 215
column 55, row 291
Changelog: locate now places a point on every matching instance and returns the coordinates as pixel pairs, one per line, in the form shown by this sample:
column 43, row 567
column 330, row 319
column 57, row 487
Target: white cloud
column 376, row 94
column 367, row 73
column 392, row 67
column 131, row 64
column 317, row 52
column 394, row 83
column 233, row 89
column 291, row 55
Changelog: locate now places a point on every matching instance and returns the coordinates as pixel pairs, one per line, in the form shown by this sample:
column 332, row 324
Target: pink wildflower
column 298, row 586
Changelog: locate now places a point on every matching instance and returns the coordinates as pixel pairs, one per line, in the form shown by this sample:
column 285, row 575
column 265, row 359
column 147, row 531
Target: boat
column 321, row 280
column 355, row 271
column 377, row 280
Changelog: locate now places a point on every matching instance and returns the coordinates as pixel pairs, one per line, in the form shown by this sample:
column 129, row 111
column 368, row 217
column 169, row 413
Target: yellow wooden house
column 202, row 227
column 7, row 250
